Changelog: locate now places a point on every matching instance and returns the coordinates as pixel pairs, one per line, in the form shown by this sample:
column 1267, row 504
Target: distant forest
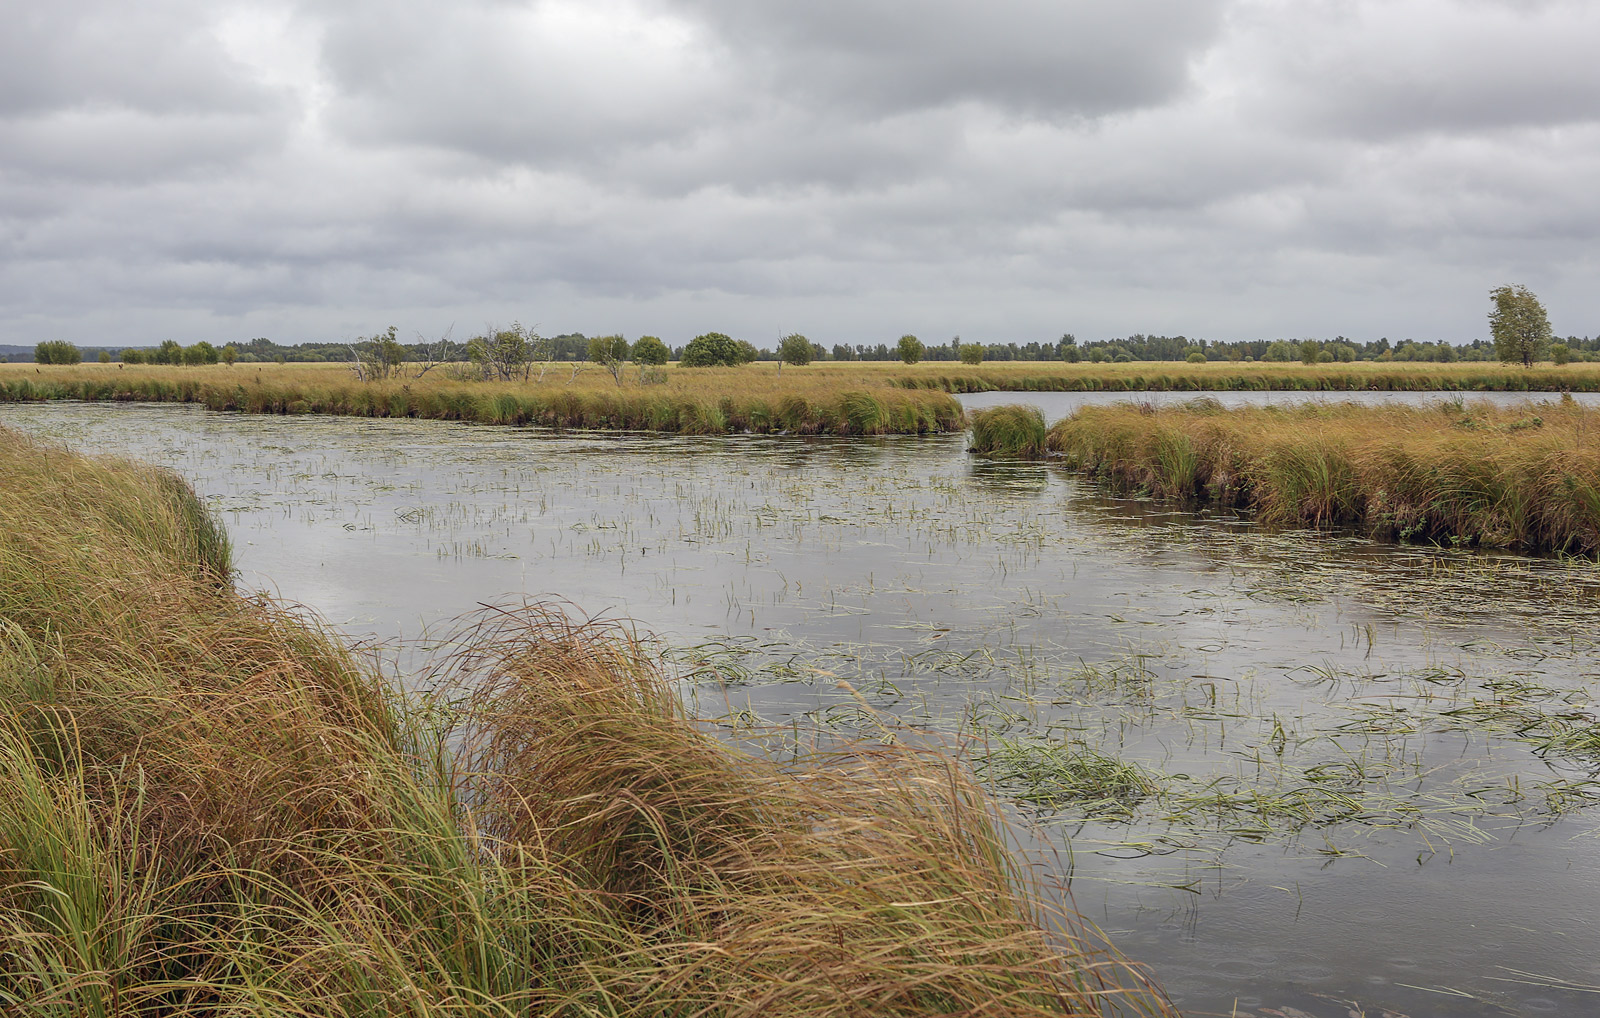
column 1138, row 347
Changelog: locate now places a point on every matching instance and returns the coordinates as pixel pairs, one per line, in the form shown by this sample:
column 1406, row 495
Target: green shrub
column 712, row 350
column 971, row 353
column 57, row 351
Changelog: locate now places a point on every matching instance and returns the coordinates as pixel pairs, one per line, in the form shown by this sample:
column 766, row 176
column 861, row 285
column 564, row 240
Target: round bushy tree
column 972, row 353
column 651, row 352
column 794, row 349
column 711, row 350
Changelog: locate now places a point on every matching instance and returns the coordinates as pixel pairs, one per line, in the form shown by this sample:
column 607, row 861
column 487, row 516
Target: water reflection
column 1008, row 478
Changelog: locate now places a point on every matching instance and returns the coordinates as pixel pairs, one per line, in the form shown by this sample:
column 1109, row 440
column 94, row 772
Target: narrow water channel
column 1296, row 773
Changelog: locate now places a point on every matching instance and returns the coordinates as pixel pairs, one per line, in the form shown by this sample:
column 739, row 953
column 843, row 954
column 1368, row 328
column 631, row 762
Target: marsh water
column 1295, row 773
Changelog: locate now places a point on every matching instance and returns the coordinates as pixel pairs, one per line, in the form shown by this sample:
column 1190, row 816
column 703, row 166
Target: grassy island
column 211, row 806
column 696, row 401
column 1523, row 477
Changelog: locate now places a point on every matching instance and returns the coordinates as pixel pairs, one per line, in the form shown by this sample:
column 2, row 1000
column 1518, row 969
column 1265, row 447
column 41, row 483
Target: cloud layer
column 1225, row 168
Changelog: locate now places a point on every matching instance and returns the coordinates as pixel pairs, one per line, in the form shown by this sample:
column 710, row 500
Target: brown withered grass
column 1524, row 477
column 209, row 806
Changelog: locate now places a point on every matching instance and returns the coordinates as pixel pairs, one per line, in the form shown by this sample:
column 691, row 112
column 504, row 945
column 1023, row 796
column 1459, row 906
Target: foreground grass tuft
column 208, row 806
column 1519, row 477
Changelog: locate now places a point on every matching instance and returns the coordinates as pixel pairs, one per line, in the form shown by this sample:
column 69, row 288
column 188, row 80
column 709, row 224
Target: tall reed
column 1523, row 477
column 210, row 806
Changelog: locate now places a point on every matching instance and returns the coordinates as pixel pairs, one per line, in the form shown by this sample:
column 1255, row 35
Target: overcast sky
column 850, row 169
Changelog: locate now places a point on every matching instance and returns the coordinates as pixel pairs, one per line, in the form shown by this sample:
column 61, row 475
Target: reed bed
column 699, row 401
column 1219, row 376
column 210, row 806
column 1521, row 477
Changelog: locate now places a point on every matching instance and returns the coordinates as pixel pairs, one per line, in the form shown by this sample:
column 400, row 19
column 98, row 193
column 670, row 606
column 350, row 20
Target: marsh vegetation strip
column 1286, row 769
column 1056, row 405
column 1522, row 476
column 1225, row 376
column 689, row 401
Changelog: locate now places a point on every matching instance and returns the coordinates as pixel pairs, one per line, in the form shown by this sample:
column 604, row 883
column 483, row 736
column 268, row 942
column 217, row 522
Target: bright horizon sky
column 1006, row 171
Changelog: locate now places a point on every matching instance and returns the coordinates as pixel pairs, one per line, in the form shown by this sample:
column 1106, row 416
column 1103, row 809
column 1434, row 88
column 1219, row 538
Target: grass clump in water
column 1520, row 477
column 1008, row 431
column 210, row 806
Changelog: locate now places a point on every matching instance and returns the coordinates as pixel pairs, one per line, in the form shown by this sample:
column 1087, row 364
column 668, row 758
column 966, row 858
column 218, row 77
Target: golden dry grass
column 1523, row 477
column 754, row 397
column 209, row 806
column 1220, row 376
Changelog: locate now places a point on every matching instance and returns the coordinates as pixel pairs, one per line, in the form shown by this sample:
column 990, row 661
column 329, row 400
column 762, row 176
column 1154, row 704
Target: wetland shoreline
column 211, row 804
column 700, row 401
column 1283, row 767
column 1523, row 477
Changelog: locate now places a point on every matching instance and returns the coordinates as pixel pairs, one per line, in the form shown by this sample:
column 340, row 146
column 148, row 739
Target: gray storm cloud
column 1012, row 170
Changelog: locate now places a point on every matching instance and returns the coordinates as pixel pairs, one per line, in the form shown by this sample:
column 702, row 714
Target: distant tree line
column 512, row 352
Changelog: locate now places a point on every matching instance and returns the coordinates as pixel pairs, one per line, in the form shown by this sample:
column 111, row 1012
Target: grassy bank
column 1519, row 477
column 1172, row 376
column 700, row 401
column 208, row 806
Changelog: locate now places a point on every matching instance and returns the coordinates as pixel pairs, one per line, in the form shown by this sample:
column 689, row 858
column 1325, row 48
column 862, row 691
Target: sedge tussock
column 1008, row 431
column 211, row 806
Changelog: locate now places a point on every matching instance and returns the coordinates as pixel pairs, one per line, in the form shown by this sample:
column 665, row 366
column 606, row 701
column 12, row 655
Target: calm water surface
column 1357, row 784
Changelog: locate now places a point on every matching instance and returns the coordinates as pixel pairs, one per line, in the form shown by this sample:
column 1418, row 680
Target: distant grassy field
column 209, row 806
column 841, row 400
column 1515, row 477
column 1162, row 376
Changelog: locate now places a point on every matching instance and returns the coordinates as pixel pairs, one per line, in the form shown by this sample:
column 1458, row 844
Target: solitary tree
column 794, row 349
column 911, row 349
column 1519, row 325
column 972, row 353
